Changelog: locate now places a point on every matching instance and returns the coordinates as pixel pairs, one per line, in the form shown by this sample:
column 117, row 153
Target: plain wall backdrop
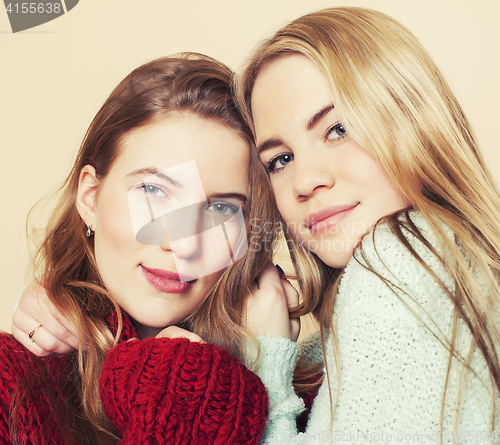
column 54, row 78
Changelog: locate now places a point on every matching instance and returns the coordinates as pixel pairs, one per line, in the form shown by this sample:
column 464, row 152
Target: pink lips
column 165, row 281
column 328, row 217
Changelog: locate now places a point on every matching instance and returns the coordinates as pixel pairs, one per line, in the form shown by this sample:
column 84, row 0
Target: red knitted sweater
column 156, row 391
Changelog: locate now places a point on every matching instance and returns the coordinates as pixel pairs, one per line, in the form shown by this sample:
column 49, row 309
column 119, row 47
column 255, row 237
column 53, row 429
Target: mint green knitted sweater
column 392, row 361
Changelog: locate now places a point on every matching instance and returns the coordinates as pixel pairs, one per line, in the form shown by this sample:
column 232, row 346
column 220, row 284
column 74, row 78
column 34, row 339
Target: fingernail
column 280, row 270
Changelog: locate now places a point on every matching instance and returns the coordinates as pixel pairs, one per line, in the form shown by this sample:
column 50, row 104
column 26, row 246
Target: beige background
column 54, row 78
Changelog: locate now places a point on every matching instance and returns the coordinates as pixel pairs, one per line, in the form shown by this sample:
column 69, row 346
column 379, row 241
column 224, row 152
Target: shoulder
column 393, row 319
column 33, row 384
column 399, row 278
column 18, row 364
column 407, row 259
column 14, row 362
column 397, row 252
column 14, row 358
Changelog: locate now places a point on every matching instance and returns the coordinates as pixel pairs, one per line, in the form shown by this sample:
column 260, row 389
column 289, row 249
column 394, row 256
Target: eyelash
column 336, row 128
column 272, row 162
column 233, row 208
column 145, row 186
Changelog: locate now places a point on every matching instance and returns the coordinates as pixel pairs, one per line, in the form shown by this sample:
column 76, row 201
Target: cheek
column 283, row 199
column 288, row 212
column 388, row 197
column 398, row 201
column 237, row 239
column 114, row 235
column 288, row 208
column 207, row 283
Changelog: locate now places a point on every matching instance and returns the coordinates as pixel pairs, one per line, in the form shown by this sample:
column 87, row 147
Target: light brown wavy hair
column 66, row 264
column 394, row 102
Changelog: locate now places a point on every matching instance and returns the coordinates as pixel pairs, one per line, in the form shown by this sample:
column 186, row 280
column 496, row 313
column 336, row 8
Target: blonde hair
column 394, row 102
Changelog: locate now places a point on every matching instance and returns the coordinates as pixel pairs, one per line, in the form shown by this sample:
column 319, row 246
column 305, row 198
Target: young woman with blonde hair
column 170, row 120
column 393, row 223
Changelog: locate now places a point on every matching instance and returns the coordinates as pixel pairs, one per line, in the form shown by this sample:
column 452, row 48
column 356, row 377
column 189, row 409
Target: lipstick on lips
column 165, row 281
column 327, row 217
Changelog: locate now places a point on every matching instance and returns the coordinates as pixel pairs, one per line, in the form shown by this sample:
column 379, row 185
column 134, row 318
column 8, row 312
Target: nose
column 311, row 173
column 189, row 244
column 165, row 245
column 187, row 248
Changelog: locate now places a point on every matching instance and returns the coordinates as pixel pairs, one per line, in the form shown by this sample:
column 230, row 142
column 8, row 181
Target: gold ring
column 33, row 332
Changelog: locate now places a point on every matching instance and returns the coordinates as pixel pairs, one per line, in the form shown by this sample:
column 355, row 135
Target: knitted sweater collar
column 128, row 329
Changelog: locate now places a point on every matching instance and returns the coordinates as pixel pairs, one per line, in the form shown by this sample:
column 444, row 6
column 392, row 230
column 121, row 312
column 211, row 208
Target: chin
column 154, row 317
column 339, row 260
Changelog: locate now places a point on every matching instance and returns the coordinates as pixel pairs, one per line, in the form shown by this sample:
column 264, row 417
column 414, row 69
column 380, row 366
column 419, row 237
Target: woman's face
column 157, row 216
column 329, row 190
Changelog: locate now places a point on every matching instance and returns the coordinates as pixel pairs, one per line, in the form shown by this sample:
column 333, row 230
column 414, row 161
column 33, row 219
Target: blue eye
column 279, row 162
column 152, row 190
column 336, row 133
column 223, row 208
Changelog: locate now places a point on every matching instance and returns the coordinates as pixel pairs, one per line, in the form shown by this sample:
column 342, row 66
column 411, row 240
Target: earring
column 90, row 232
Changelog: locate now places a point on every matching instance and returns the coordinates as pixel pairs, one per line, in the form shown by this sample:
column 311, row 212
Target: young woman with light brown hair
column 392, row 220
column 393, row 223
column 169, row 120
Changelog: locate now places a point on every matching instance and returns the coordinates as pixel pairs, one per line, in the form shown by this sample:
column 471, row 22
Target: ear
column 86, row 195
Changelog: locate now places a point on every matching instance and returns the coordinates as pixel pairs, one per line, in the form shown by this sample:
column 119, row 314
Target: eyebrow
column 237, row 196
column 276, row 142
column 317, row 117
column 270, row 143
column 150, row 171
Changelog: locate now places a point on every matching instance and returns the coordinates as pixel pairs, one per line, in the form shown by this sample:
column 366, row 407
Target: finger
column 41, row 343
column 20, row 332
column 28, row 344
column 268, row 275
column 53, row 338
column 132, row 339
column 45, row 312
column 292, row 297
column 254, row 287
column 176, row 332
column 294, row 329
column 56, row 322
column 281, row 272
column 291, row 293
column 49, row 343
column 61, row 327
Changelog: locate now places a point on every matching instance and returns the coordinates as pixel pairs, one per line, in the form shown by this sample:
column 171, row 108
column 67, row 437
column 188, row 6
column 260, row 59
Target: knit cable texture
column 178, row 392
column 158, row 391
column 33, row 413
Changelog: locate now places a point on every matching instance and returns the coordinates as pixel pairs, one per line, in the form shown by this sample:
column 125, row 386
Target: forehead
column 181, row 138
column 288, row 91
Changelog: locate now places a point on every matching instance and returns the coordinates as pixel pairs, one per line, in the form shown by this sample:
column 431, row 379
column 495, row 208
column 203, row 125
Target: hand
column 56, row 335
column 268, row 304
column 176, row 332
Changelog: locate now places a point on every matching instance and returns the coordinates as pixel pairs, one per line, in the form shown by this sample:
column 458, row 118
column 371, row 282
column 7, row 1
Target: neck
column 144, row 331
